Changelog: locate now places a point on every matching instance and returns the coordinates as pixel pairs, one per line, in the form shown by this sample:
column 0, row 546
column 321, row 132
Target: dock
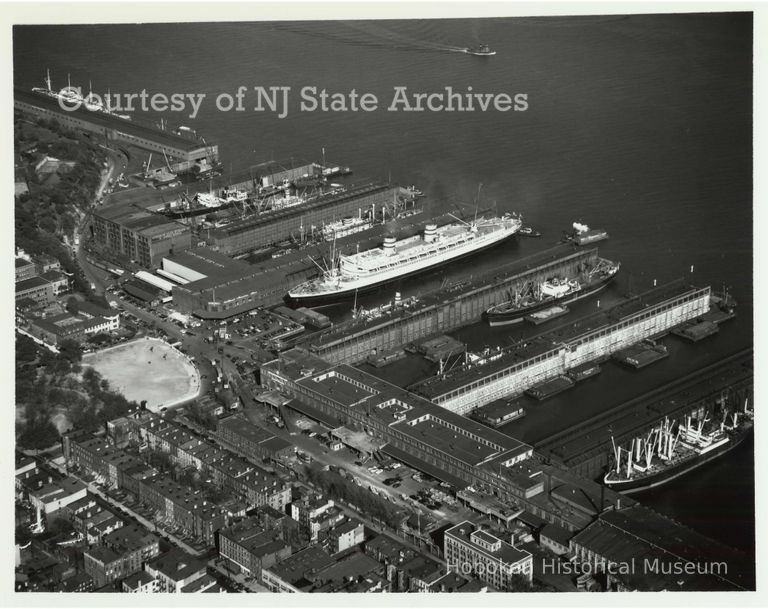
column 445, row 309
column 552, row 353
column 584, row 449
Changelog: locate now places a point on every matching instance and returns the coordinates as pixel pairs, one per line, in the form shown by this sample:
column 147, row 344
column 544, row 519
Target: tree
column 70, row 350
column 38, row 434
column 26, row 349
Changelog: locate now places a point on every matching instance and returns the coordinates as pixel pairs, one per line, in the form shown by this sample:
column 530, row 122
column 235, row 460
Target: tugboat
column 482, row 50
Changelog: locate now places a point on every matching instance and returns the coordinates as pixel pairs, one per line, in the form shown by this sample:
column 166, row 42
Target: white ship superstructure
column 399, row 258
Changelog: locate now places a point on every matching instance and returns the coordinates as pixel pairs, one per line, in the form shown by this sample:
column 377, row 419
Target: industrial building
column 35, row 288
column 185, row 151
column 548, row 355
column 139, row 236
column 277, row 225
column 216, row 286
column 412, row 429
column 637, row 549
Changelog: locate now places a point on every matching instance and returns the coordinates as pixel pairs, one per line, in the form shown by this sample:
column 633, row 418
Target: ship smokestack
column 430, row 233
column 389, row 246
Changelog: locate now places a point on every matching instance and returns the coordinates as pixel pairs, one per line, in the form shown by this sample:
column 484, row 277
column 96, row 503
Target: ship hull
column 517, row 315
column 345, row 294
column 666, row 475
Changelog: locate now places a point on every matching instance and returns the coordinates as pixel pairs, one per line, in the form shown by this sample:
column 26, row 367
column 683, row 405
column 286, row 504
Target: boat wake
column 375, row 36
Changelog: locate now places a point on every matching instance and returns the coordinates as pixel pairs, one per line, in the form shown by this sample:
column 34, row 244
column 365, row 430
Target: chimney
column 512, row 539
column 618, row 503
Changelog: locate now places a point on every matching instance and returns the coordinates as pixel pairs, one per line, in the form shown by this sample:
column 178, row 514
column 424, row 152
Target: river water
column 640, row 125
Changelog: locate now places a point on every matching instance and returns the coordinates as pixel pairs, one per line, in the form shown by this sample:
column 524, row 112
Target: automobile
column 396, row 465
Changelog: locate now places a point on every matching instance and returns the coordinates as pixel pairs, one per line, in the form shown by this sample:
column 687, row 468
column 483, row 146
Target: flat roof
column 101, row 119
column 293, row 568
column 550, row 340
column 507, row 553
column 353, row 191
column 32, row 282
column 472, row 440
column 138, row 220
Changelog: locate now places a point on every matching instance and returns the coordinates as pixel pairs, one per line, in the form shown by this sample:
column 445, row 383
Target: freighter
column 396, row 259
column 555, row 290
column 665, row 454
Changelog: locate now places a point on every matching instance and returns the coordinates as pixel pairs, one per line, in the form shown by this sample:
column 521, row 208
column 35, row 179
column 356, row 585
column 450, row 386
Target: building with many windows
column 470, row 550
column 251, row 548
column 134, row 234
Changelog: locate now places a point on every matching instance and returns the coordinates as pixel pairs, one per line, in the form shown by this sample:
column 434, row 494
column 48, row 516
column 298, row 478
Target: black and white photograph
column 314, row 300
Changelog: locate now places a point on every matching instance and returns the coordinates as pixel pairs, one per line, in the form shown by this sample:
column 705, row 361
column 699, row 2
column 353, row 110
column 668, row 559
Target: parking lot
column 390, row 479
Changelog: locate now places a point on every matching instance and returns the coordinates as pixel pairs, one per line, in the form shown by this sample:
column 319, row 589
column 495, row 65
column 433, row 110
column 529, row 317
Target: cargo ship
column 397, row 259
column 665, row 454
column 555, row 290
column 72, row 97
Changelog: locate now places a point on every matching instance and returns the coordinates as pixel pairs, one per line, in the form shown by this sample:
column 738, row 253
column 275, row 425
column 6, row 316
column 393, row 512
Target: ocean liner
column 534, row 297
column 396, row 259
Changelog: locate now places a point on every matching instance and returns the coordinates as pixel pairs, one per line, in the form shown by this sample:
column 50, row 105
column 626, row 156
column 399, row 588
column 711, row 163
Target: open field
column 147, row 369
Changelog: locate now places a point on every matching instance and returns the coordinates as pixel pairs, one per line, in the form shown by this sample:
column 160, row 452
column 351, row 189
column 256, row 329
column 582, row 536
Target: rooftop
column 103, row 554
column 295, row 567
column 138, row 220
column 28, row 284
column 551, row 340
column 177, row 564
column 407, row 413
column 130, row 538
column 507, row 553
column 103, row 120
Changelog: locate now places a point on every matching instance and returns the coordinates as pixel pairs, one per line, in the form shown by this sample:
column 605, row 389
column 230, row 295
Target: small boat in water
column 482, row 50
column 529, row 232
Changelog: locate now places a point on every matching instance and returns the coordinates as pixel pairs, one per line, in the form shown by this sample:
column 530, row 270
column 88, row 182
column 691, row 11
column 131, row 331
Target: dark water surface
column 639, row 125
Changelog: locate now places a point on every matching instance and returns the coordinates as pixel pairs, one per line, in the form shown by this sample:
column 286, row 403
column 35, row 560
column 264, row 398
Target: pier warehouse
column 548, row 355
column 446, row 309
column 214, row 286
column 441, row 443
column 138, row 235
column 410, row 424
column 273, row 226
column 185, row 151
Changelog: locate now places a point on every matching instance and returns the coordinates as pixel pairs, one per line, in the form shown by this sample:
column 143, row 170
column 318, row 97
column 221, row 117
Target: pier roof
column 551, row 340
column 409, row 414
column 130, row 127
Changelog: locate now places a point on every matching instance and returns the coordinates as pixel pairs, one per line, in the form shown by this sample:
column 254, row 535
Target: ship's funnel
column 389, row 245
column 430, row 233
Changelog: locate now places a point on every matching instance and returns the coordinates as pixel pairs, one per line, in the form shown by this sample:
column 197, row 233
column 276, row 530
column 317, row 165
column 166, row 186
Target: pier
column 591, row 338
column 585, row 449
column 446, row 309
